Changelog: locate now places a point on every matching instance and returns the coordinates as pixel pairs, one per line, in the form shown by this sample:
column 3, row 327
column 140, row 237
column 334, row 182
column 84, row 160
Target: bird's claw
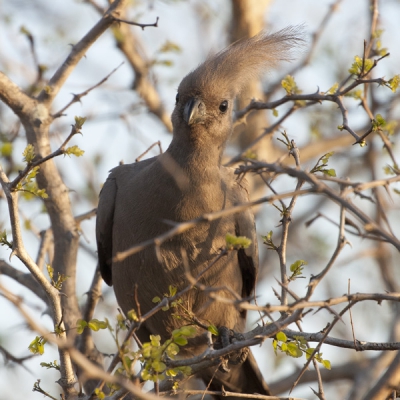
column 226, row 337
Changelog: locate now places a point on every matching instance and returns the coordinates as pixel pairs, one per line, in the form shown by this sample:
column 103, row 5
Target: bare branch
column 78, row 51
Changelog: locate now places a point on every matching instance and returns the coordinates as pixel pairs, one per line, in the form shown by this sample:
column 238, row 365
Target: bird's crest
column 232, row 68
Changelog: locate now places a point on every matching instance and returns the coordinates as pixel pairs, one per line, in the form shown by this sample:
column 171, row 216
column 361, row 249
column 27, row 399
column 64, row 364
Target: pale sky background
column 116, row 140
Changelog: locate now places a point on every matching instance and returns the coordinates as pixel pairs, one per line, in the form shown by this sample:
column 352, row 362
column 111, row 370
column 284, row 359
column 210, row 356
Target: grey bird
column 138, row 202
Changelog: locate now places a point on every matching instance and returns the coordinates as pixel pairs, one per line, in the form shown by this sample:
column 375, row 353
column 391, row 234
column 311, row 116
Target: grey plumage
column 182, row 184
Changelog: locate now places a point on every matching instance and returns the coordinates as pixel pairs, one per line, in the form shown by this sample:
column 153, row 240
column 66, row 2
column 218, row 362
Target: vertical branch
column 67, row 380
column 286, row 219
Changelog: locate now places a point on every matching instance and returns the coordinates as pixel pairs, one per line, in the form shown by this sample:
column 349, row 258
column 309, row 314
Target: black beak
column 194, row 112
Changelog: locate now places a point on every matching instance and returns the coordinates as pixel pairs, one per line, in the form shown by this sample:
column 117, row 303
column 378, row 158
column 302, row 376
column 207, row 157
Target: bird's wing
column 248, row 258
column 104, row 227
column 245, row 226
column 120, row 176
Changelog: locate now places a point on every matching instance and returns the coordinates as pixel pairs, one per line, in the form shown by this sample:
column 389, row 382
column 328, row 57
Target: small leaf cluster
column 172, row 292
column 296, row 347
column 6, row 149
column 333, row 88
column 393, row 83
column 155, row 355
column 167, row 47
column 321, row 165
column 378, row 123
column 286, row 141
column 94, row 325
column 4, row 241
column 361, row 66
column 28, row 185
column 28, row 153
column 37, row 345
column 79, row 121
column 236, row 242
column 74, row 150
column 392, row 170
column 50, row 365
column 61, row 278
column 290, row 85
column 267, row 240
column 297, row 270
column 356, row 94
column 378, row 44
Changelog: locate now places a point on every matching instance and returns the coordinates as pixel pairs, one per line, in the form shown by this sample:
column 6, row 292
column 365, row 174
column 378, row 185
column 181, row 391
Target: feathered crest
column 231, row 69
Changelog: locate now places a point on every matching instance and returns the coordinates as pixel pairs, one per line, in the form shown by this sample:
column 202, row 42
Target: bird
column 139, row 201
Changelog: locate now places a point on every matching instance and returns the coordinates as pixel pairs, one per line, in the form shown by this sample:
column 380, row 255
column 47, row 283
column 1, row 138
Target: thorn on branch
column 155, row 24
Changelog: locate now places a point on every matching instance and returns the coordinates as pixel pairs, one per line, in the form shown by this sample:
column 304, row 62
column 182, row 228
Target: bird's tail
column 242, row 378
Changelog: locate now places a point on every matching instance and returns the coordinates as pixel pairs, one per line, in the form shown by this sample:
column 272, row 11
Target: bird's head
column 205, row 97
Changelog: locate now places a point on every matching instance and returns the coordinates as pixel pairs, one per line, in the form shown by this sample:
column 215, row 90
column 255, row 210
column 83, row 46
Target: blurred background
column 130, row 111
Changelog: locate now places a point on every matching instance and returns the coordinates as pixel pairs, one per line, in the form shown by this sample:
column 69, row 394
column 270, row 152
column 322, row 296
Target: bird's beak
column 194, row 112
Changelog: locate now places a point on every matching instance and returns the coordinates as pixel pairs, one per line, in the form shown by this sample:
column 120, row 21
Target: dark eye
column 177, row 98
column 223, row 106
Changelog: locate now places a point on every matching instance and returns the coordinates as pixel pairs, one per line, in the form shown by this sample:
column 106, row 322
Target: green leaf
column 250, row 154
column 293, row 350
column 275, row 112
column 50, row 365
column 95, row 324
column 4, row 241
column 155, row 340
column 290, row 85
column 355, row 94
column 236, row 242
column 333, row 89
column 99, row 394
column 32, row 174
column 74, row 150
column 132, row 315
column 80, row 326
column 41, row 193
column 297, row 268
column 363, row 143
column 171, row 372
column 156, row 299
column 37, row 345
column 158, row 366
column 79, row 121
column 172, row 290
column 172, row 350
column 181, row 341
column 6, row 149
column 170, row 47
column 359, row 63
column 50, row 271
column 146, row 375
column 185, row 370
column 329, row 172
column 326, row 364
column 28, row 153
column 394, row 83
column 326, row 157
column 213, row 329
column 322, row 163
column 281, row 337
column 309, row 352
column 378, row 122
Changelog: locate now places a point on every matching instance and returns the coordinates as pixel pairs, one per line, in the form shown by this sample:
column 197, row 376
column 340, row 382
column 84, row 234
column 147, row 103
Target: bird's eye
column 177, row 98
column 223, row 106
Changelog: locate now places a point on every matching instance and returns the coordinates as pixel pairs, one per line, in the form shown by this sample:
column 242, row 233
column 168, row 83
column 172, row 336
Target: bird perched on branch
column 139, row 201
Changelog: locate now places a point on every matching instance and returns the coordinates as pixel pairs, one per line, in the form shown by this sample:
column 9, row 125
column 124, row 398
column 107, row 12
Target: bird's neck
column 195, row 158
